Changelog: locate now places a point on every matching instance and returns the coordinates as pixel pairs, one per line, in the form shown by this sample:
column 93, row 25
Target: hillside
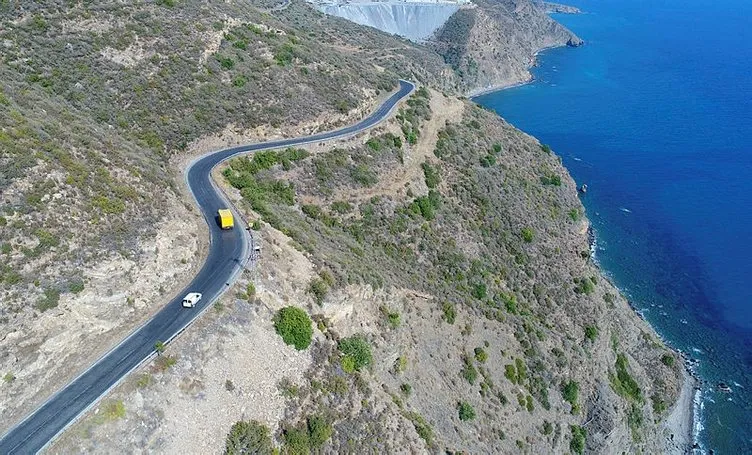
column 446, row 318
column 443, row 256
column 493, row 45
column 97, row 100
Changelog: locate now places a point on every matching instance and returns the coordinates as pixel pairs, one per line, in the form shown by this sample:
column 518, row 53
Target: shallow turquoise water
column 655, row 115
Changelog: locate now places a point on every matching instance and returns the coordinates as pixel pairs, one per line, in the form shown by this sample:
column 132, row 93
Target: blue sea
column 654, row 114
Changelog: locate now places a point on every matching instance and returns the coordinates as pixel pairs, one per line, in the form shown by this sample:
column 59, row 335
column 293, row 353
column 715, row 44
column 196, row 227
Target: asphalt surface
column 228, row 252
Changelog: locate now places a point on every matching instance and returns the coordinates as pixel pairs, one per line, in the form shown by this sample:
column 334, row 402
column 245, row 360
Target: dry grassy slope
column 94, row 98
column 475, row 237
column 520, row 300
column 493, row 45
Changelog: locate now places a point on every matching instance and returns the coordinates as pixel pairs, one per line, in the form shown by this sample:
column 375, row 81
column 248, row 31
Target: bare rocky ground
column 227, row 367
column 47, row 351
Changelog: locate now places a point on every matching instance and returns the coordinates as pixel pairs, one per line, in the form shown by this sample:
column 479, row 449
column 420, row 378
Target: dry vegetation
column 503, row 336
column 95, row 102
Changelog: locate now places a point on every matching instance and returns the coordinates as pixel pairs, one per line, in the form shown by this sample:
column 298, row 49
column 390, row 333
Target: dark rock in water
column 583, row 188
column 723, row 387
column 575, row 42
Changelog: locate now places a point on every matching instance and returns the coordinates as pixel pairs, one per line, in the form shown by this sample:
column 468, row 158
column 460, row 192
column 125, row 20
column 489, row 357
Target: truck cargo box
column 225, row 219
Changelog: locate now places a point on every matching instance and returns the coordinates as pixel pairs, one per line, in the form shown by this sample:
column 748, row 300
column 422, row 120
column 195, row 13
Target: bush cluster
column 294, row 326
column 356, row 353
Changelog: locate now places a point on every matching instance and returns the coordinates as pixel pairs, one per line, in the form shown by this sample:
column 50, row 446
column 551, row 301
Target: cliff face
column 415, row 21
column 493, row 45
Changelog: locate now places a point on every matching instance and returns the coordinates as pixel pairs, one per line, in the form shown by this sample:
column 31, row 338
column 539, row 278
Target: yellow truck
column 225, row 219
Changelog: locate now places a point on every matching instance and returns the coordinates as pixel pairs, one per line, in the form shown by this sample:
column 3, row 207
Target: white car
column 190, row 300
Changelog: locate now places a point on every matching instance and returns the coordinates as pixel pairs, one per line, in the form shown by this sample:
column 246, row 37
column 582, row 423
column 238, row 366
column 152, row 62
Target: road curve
column 228, row 252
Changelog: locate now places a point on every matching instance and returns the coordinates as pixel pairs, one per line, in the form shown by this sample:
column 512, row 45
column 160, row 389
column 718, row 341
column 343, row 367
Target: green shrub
column 577, row 444
column 392, row 317
column 521, row 371
column 585, row 286
column 510, row 372
column 113, row 410
column 479, row 291
column 76, row 286
column 144, row 380
column 400, row 364
column 481, row 355
column 225, row 62
column 9, row 377
column 358, row 349
column 319, row 431
column 318, row 289
column 374, row 144
column 468, row 370
column 239, row 81
column 250, row 290
column 296, row 441
column 422, row 427
column 449, row 313
column 431, row 175
column 109, row 206
column 551, row 179
column 406, row 389
column 50, row 300
column 294, row 326
column 249, row 438
column 574, row 214
column 364, row 175
column 546, row 148
column 465, row 411
column 341, row 207
column 311, row 210
column 570, row 392
column 623, row 383
column 668, row 360
column 527, row 234
column 426, row 206
column 510, row 303
column 487, row 160
column 591, row 332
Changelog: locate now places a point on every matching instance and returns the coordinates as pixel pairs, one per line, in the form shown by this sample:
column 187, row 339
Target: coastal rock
column 575, row 41
column 549, row 8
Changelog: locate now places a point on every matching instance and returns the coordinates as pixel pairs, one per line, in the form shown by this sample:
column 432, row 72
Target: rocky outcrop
column 494, row 44
column 549, row 8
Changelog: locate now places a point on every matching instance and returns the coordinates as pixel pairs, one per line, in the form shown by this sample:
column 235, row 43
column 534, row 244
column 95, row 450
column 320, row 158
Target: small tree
column 159, row 346
column 356, row 353
column 248, row 438
column 294, row 326
column 465, row 411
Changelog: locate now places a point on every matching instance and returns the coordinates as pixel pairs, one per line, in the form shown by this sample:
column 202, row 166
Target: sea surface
column 654, row 114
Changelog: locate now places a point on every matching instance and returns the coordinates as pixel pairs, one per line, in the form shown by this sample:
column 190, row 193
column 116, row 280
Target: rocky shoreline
column 474, row 93
column 680, row 425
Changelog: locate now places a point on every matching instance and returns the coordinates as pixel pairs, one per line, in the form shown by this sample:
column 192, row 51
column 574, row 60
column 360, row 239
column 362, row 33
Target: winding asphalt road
column 228, row 252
